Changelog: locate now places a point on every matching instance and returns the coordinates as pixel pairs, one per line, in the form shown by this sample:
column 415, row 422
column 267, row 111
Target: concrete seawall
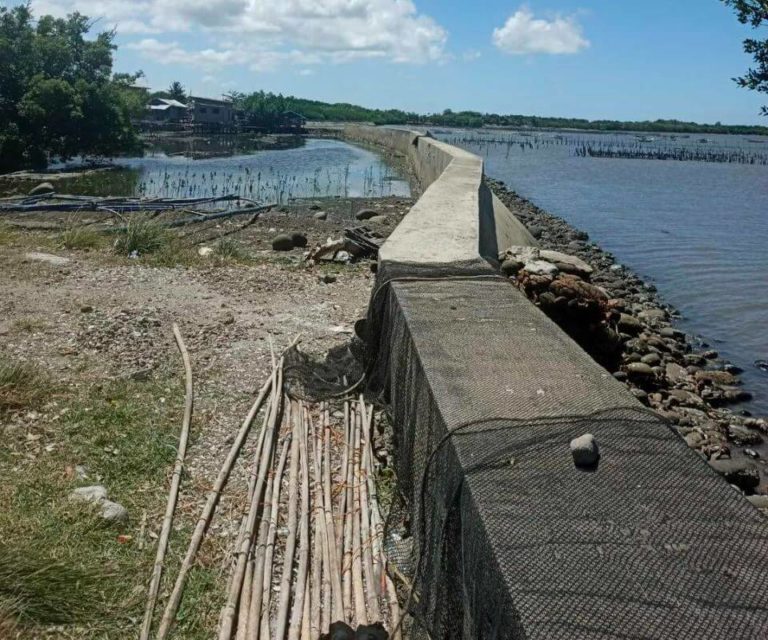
column 512, row 540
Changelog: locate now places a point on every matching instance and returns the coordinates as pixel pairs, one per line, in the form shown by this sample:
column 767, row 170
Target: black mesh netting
column 509, row 538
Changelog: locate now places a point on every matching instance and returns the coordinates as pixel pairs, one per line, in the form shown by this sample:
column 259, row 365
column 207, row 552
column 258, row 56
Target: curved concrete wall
column 458, row 226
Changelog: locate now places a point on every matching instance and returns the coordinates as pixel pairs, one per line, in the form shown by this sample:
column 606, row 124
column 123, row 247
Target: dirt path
column 99, row 319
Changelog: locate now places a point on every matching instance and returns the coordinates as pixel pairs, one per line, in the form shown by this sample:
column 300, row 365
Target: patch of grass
column 7, row 234
column 229, row 249
column 78, row 237
column 142, row 236
column 29, row 325
column 59, row 562
column 22, row 386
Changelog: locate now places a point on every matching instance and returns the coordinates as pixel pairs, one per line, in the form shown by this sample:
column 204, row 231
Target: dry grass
column 78, row 237
column 141, row 236
column 22, row 386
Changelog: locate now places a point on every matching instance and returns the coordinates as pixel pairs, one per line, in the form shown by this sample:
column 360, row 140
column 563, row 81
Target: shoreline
column 661, row 366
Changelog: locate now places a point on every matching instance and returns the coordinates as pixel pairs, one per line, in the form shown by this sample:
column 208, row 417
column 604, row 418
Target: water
column 316, row 168
column 698, row 230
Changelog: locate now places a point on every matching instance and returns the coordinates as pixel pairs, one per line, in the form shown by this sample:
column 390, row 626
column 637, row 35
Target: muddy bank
column 621, row 321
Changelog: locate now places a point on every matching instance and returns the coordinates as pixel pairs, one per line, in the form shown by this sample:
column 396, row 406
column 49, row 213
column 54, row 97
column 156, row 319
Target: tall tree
column 755, row 13
column 57, row 97
column 176, row 91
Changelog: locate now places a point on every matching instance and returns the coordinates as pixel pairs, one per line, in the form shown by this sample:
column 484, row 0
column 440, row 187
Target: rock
column 761, row 502
column 95, row 493
column 652, row 359
column 693, row 359
column 43, row 187
column 535, row 231
column 328, row 278
column 510, row 267
column 540, row 268
column 282, row 242
column 86, row 308
column 686, row 398
column 694, row 439
column 621, row 376
column 652, row 315
column 47, row 257
column 340, row 631
column 639, row 370
column 566, row 263
column 743, row 436
column 710, row 355
column 629, row 324
column 371, row 632
column 320, row 215
column 205, row 251
column 716, row 377
column 366, row 214
column 585, row 451
column 521, row 253
column 641, row 395
column 675, row 373
column 298, row 239
column 314, row 207
column 742, row 474
column 379, row 219
column 113, row 512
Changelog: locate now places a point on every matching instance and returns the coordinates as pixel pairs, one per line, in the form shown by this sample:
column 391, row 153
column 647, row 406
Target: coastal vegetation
column 57, row 94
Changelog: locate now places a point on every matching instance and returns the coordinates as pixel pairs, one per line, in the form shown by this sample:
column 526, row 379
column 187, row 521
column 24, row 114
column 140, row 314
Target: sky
column 596, row 59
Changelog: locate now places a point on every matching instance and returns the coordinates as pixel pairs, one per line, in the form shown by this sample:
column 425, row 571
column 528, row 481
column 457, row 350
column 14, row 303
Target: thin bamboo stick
column 208, row 510
column 372, row 600
column 245, row 591
column 297, row 616
column 346, row 568
column 343, row 481
column 306, row 626
column 357, row 560
column 281, row 621
column 329, row 540
column 173, row 493
column 262, row 470
column 263, row 553
column 318, row 578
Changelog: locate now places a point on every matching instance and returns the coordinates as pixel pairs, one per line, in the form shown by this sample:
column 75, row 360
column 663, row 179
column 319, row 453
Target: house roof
column 211, row 100
column 165, row 103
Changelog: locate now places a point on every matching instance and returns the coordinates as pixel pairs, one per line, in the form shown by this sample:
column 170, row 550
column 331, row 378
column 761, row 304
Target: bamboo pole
column 343, row 480
column 320, row 581
column 263, row 553
column 306, row 625
column 372, row 600
column 333, row 552
column 295, row 629
column 281, row 621
column 208, row 510
column 262, row 470
column 357, row 560
column 346, row 568
column 245, row 592
column 173, row 493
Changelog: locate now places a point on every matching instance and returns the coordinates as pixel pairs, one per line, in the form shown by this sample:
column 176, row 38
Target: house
column 166, row 110
column 207, row 111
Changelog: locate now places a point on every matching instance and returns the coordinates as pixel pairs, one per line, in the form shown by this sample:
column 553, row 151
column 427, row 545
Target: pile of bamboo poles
column 333, row 566
column 309, row 550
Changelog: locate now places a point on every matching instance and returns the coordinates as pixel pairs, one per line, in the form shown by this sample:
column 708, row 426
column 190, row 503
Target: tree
column 57, row 96
column 755, row 13
column 176, row 91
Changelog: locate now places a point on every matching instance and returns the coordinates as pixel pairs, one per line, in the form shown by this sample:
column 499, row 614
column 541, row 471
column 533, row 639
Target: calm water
column 698, row 230
column 313, row 168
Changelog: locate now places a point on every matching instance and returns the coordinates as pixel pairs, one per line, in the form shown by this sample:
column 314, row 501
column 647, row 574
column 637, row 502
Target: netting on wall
column 509, row 538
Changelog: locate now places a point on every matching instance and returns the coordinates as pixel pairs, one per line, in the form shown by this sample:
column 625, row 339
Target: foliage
column 754, row 12
column 265, row 109
column 22, row 386
column 57, row 97
column 77, row 236
column 176, row 91
column 141, row 235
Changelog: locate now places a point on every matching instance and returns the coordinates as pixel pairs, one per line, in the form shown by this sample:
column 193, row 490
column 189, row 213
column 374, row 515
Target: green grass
column 229, row 249
column 142, row 236
column 59, row 563
column 78, row 237
column 7, row 234
column 22, row 386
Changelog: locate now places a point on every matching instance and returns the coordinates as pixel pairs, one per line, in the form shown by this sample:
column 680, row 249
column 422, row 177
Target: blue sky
column 585, row 58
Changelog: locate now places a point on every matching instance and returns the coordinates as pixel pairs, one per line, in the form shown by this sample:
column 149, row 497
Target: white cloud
column 522, row 34
column 471, row 55
column 260, row 33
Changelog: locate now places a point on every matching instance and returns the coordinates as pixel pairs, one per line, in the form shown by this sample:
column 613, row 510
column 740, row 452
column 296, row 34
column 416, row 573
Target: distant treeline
column 344, row 112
